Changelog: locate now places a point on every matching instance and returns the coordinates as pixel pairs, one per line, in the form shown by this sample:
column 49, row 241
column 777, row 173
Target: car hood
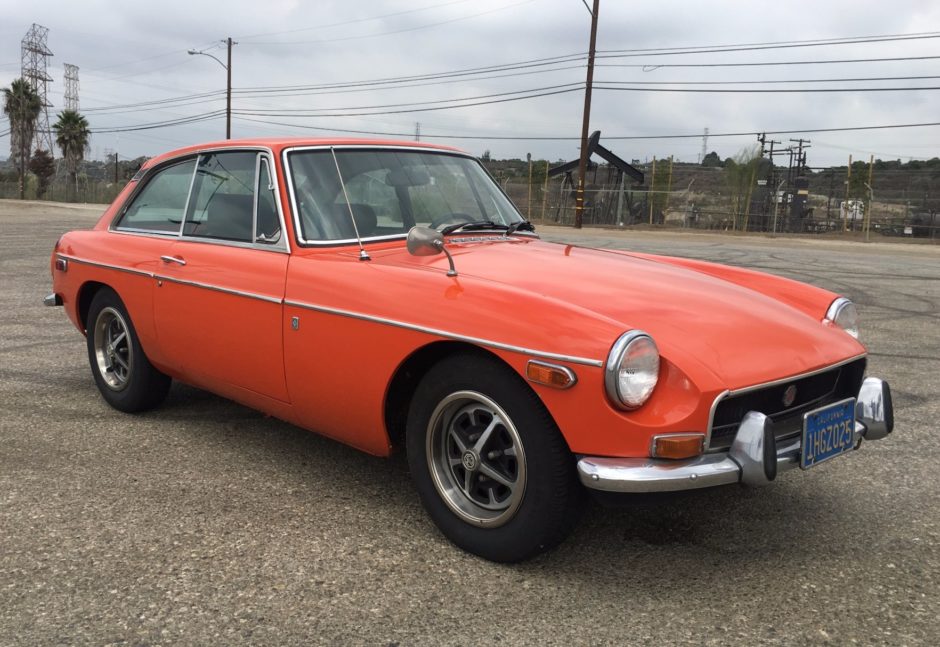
column 739, row 334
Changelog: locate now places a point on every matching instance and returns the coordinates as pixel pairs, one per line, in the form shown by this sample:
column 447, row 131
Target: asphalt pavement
column 205, row 523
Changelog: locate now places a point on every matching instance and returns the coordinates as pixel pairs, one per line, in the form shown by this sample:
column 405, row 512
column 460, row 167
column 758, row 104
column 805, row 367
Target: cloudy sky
column 302, row 66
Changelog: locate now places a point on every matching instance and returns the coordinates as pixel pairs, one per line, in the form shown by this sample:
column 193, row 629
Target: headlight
column 632, row 370
column 843, row 314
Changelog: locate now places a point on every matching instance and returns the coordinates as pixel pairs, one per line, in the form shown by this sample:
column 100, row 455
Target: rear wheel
column 125, row 377
column 491, row 467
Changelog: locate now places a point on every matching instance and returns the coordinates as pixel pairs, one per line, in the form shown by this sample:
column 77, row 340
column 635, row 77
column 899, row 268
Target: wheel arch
column 410, row 372
column 86, row 293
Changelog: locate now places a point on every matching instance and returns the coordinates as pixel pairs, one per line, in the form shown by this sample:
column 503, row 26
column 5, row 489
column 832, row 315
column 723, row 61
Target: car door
column 219, row 291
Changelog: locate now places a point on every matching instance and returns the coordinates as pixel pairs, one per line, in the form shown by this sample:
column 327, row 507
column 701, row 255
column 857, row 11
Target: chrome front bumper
column 754, row 458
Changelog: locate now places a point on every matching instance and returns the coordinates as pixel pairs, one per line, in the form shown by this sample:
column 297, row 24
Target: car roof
column 277, row 144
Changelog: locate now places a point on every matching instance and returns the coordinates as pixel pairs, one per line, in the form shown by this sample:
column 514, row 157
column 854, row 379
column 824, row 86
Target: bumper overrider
column 755, row 458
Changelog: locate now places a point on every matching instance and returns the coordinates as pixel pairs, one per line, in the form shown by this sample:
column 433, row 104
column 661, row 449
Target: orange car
column 389, row 294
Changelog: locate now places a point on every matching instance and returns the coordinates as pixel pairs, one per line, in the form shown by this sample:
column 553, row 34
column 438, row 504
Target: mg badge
column 789, row 395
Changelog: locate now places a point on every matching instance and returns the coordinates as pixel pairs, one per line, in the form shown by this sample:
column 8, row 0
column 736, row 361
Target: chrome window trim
column 233, row 243
column 282, row 245
column 189, row 197
column 727, row 393
column 292, row 194
column 447, row 335
column 141, row 185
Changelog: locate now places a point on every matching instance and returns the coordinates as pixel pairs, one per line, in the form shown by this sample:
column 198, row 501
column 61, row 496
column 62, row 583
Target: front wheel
column 488, row 461
column 125, row 377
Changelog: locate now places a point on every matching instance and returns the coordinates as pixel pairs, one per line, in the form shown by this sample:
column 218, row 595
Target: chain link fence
column 891, row 214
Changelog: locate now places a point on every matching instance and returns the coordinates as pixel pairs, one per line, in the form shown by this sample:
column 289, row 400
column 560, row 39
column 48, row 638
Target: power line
column 313, row 112
column 162, row 124
column 748, row 47
column 651, row 68
column 763, row 90
column 616, row 137
column 347, row 113
column 776, row 81
column 502, row 67
column 157, row 102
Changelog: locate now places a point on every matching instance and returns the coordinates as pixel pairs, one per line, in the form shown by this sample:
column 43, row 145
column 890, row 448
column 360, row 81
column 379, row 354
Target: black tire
column 537, row 500
column 125, row 377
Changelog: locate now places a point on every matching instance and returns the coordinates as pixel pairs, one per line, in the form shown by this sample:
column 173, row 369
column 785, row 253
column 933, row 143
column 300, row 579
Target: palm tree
column 21, row 105
column 71, row 135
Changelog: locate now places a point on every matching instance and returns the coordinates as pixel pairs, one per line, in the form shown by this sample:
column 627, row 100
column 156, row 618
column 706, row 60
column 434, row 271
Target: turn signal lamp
column 678, row 446
column 558, row 377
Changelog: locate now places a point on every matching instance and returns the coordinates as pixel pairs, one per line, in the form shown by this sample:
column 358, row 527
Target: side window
column 268, row 225
column 160, row 205
column 223, row 197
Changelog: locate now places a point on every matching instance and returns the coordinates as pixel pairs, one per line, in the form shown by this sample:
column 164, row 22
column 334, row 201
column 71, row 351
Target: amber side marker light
column 678, row 446
column 559, row 377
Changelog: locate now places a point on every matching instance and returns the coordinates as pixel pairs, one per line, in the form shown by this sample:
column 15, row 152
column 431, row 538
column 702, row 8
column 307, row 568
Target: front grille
column 812, row 392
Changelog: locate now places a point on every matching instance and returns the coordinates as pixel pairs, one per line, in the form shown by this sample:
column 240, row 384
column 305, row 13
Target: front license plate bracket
column 828, row 432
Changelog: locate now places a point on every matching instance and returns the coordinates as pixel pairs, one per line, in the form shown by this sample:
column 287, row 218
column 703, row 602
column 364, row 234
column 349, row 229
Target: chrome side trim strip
column 216, row 288
column 585, row 361
column 747, row 389
column 171, row 279
column 448, row 335
column 106, row 266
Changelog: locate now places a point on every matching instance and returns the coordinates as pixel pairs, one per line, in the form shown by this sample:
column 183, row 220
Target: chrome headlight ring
column 843, row 314
column 632, row 370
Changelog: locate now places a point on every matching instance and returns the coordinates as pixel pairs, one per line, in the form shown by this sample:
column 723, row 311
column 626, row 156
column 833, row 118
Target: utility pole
column 417, row 130
column 871, row 197
column 545, row 191
column 228, row 81
column 652, row 189
column 115, row 167
column 668, row 189
column 528, row 209
column 582, row 164
column 228, row 91
column 845, row 204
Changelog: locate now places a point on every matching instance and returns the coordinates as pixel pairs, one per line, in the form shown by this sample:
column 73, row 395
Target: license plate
column 827, row 433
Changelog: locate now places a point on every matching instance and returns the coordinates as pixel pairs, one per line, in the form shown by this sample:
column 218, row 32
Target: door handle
column 173, row 259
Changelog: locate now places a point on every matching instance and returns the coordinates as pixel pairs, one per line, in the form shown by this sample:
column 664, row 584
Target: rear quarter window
column 161, row 204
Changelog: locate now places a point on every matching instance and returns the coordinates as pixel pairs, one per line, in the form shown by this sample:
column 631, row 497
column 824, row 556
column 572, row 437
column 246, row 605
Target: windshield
column 390, row 191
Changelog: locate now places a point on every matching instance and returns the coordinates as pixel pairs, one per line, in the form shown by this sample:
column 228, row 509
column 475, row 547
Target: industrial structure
column 71, row 87
column 35, row 54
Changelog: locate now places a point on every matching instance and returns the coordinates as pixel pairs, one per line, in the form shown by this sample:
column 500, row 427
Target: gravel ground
column 206, row 523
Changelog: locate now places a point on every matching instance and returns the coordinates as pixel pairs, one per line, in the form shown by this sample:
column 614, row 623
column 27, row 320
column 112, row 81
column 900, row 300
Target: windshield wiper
column 520, row 225
column 476, row 225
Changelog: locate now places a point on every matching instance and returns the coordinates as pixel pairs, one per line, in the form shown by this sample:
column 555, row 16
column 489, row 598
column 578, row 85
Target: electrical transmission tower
column 704, row 146
column 34, row 53
column 71, row 87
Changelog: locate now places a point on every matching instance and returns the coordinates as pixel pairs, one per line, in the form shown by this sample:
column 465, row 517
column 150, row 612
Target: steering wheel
column 450, row 219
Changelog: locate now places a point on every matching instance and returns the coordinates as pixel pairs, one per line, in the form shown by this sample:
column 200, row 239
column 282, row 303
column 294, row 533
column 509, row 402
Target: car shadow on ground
column 718, row 529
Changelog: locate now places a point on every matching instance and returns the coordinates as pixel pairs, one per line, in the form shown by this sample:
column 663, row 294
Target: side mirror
column 424, row 241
